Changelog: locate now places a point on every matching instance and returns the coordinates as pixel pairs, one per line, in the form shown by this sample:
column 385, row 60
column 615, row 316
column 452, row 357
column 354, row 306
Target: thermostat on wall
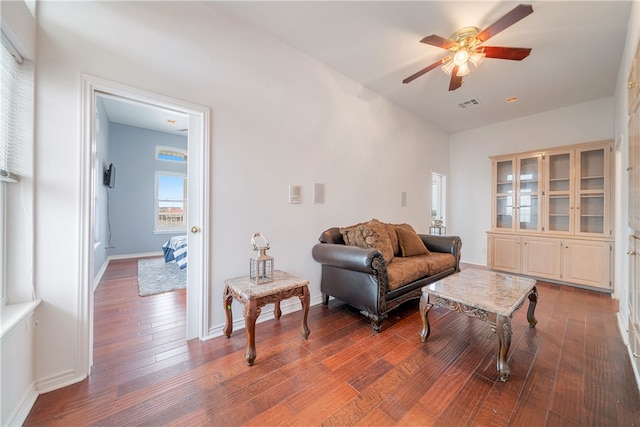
column 295, row 194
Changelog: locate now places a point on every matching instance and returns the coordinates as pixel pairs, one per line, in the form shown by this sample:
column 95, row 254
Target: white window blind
column 15, row 152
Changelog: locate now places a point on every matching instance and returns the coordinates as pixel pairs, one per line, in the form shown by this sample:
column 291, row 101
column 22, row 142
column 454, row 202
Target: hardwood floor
column 572, row 369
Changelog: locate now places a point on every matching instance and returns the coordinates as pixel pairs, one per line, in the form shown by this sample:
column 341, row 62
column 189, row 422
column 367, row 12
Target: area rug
column 156, row 276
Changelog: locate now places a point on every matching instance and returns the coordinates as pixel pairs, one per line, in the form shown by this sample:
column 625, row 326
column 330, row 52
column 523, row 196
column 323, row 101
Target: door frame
column 198, row 151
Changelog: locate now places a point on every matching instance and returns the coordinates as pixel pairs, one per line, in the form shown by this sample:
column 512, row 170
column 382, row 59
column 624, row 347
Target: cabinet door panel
column 505, row 253
column 504, row 182
column 528, row 190
column 542, row 258
column 587, row 263
column 558, row 195
column 592, row 191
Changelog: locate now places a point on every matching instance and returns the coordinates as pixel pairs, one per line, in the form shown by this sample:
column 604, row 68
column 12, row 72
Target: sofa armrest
column 445, row 244
column 348, row 257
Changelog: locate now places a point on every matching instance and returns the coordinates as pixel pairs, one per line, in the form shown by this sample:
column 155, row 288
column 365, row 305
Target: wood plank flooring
column 571, row 370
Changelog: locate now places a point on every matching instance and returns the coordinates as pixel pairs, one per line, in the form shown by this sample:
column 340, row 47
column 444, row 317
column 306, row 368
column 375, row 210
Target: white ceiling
column 576, row 52
column 577, row 49
column 132, row 113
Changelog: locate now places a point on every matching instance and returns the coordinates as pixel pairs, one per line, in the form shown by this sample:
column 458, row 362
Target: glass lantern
column 261, row 266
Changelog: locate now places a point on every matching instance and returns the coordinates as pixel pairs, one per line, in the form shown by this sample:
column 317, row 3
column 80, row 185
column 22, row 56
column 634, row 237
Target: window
column 171, row 202
column 15, row 150
column 171, row 154
column 438, row 197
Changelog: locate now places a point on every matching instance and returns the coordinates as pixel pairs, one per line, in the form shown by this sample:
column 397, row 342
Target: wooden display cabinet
column 551, row 215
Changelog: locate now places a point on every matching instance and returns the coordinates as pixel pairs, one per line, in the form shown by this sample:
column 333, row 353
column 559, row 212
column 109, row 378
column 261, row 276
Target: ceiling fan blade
column 456, row 81
column 421, row 72
column 512, row 53
column 438, row 41
column 516, row 14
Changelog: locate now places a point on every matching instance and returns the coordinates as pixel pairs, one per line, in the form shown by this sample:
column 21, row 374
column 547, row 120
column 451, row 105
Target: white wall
column 470, row 167
column 278, row 118
column 132, row 200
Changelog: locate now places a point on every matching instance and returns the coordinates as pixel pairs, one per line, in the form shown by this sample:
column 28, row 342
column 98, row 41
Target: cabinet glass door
column 528, row 185
column 504, row 194
column 591, row 203
column 558, row 196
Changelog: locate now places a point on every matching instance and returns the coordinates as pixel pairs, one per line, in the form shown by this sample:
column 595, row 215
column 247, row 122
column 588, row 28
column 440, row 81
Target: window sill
column 13, row 314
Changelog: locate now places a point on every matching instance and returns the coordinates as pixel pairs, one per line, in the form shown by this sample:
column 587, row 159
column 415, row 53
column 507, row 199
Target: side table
column 254, row 297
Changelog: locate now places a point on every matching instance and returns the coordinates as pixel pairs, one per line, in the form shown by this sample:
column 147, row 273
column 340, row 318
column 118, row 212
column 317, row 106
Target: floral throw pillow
column 369, row 235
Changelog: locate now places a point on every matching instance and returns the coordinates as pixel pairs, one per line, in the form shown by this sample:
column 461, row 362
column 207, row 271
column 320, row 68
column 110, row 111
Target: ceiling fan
column 465, row 46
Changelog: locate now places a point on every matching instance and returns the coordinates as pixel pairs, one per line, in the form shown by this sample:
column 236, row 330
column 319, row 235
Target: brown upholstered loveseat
column 376, row 266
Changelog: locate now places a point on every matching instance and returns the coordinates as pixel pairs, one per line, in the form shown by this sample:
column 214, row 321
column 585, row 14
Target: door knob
column 195, row 229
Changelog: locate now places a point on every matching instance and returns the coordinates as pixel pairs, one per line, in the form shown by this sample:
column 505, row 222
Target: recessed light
column 172, row 121
column 512, row 99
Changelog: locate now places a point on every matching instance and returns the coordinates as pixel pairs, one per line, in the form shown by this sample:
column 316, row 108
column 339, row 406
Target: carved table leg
column 227, row 298
column 424, row 314
column 503, row 330
column 251, row 313
column 304, row 299
column 276, row 310
column 533, row 300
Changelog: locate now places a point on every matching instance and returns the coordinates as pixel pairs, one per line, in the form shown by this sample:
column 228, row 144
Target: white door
column 197, row 179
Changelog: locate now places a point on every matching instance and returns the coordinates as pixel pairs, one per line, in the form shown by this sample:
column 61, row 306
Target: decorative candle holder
column 261, row 266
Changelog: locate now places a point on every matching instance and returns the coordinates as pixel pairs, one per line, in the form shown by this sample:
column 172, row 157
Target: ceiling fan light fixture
column 448, row 67
column 461, row 57
column 476, row 58
column 463, row 70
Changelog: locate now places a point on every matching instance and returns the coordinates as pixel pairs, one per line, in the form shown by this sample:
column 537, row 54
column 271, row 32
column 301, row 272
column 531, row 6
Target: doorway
column 197, row 130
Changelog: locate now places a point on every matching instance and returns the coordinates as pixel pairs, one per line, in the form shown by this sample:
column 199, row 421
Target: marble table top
column 283, row 281
column 487, row 290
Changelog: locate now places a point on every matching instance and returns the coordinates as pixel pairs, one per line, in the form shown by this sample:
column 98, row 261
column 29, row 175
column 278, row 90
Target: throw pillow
column 410, row 243
column 369, row 235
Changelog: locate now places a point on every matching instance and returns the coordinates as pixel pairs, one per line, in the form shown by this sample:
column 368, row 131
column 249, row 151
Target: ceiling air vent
column 469, row 103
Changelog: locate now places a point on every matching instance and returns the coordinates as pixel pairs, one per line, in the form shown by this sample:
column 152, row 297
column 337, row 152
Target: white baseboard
column 22, row 411
column 57, row 381
column 98, row 276
column 140, row 255
column 480, row 264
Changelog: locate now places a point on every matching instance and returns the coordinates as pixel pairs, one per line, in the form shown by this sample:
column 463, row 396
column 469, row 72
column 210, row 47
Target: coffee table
column 485, row 295
column 254, row 297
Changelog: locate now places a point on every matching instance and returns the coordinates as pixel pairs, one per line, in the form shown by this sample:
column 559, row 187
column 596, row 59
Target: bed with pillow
column 175, row 249
column 375, row 266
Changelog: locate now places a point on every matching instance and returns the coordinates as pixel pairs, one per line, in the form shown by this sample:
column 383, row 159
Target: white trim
column 25, row 405
column 13, row 314
column 199, row 118
column 56, row 381
column 138, row 255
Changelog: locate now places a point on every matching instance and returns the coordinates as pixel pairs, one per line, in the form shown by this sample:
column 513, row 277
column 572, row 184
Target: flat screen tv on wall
column 109, row 178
